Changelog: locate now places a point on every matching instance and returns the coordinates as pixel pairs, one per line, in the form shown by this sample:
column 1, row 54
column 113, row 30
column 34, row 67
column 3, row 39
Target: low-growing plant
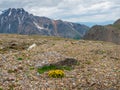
column 53, row 67
column 32, row 68
column 46, row 68
column 88, row 62
column 11, row 87
column 11, row 71
column 1, row 88
column 56, row 73
column 100, row 52
column 19, row 58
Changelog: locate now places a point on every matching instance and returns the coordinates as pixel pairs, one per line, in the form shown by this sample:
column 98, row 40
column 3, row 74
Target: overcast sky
column 69, row 10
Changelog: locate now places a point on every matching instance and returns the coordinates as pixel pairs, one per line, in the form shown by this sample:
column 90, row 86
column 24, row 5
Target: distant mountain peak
column 17, row 20
column 110, row 33
column 117, row 22
column 14, row 11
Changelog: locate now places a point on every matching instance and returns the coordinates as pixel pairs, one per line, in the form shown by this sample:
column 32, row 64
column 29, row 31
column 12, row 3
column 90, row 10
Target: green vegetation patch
column 19, row 58
column 32, row 68
column 52, row 67
column 1, row 88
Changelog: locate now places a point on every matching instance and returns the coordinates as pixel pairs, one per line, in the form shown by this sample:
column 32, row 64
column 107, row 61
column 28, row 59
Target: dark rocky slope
column 110, row 33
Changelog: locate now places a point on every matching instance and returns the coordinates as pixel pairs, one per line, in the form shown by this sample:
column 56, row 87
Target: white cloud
column 70, row 10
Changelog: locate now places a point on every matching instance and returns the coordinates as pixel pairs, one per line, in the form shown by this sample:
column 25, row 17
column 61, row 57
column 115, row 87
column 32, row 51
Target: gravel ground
column 98, row 65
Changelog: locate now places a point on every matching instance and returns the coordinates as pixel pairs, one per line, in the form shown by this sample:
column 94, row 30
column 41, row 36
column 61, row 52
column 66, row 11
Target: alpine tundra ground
column 97, row 67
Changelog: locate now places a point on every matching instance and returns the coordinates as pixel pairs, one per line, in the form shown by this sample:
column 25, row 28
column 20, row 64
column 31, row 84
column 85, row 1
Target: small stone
column 10, row 78
column 74, row 84
column 38, row 74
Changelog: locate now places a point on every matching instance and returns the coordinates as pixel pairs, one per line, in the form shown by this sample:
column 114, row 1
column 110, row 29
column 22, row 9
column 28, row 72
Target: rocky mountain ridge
column 109, row 33
column 19, row 21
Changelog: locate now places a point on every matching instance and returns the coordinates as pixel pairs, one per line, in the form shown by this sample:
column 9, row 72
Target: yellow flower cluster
column 56, row 73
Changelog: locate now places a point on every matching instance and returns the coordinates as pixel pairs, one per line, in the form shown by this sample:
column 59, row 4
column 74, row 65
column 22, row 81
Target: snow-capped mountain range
column 19, row 21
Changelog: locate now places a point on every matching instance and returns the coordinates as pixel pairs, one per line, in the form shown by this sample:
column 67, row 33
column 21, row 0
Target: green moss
column 100, row 52
column 11, row 71
column 1, row 88
column 11, row 87
column 52, row 67
column 88, row 62
column 46, row 68
column 19, row 58
column 32, row 68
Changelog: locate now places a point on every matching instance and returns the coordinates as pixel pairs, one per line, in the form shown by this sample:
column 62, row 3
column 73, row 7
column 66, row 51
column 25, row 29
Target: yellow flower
column 56, row 73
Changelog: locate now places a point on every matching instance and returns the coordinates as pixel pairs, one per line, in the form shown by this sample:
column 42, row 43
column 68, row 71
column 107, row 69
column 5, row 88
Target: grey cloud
column 27, row 3
column 75, row 10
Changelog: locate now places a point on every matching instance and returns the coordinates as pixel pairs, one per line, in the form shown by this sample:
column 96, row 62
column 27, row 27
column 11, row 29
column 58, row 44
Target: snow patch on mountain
column 39, row 27
column 23, row 17
column 71, row 24
column 9, row 13
column 19, row 20
column 9, row 26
